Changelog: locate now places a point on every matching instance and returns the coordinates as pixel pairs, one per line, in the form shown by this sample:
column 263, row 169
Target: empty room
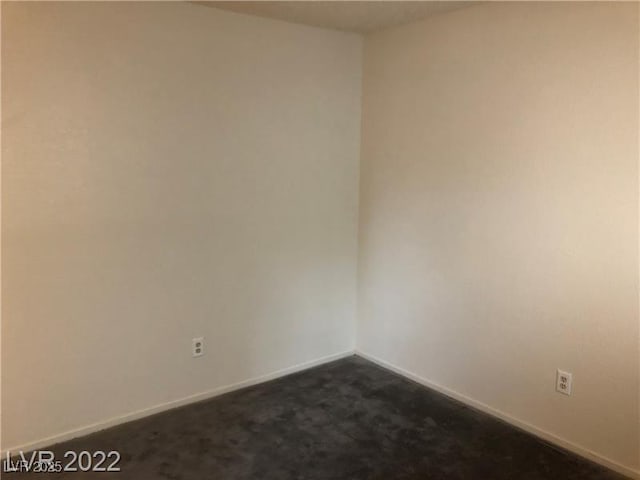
column 349, row 240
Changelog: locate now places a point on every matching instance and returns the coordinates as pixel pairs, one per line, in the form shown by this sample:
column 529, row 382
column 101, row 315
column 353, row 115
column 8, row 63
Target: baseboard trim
column 542, row 434
column 145, row 412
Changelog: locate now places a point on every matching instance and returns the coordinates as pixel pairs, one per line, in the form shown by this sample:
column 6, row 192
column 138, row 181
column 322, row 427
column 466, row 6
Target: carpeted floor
column 349, row 419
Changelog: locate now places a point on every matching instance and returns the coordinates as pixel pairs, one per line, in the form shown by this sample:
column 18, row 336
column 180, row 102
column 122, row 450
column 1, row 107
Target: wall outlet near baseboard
column 563, row 382
column 197, row 346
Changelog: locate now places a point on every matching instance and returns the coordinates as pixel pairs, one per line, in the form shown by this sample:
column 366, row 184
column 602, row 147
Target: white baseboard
column 145, row 412
column 101, row 425
column 544, row 435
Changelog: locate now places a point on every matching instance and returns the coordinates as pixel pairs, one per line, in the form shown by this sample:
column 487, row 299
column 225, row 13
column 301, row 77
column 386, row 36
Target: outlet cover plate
column 197, row 346
column 564, row 382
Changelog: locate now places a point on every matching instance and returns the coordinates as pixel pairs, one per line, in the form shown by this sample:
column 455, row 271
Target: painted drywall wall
column 169, row 171
column 499, row 212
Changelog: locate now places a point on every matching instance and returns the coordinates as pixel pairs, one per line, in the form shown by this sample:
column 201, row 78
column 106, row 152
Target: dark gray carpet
column 345, row 420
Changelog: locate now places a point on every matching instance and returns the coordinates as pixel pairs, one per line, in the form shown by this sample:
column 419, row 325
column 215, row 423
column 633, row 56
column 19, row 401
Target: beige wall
column 169, row 171
column 499, row 212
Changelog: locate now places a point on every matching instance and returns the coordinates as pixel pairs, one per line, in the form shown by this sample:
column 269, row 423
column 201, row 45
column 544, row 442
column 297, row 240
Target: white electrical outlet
column 563, row 382
column 197, row 346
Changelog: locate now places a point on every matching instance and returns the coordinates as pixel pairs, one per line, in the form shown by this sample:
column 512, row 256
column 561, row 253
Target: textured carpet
column 349, row 419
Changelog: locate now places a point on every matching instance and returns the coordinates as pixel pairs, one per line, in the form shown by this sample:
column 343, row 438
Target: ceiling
column 358, row 16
